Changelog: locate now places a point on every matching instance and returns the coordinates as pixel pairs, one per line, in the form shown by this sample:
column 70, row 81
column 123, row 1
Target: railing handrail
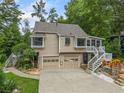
column 97, row 61
column 9, row 59
column 95, row 55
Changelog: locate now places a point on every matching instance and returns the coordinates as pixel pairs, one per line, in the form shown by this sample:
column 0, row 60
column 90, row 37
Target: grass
column 24, row 84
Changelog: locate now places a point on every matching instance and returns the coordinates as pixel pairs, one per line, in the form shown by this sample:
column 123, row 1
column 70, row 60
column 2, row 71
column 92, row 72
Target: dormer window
column 67, row 41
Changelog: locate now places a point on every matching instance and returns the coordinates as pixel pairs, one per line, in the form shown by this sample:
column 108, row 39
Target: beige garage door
column 51, row 63
column 71, row 62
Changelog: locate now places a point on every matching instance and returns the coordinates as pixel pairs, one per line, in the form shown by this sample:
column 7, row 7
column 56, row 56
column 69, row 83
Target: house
column 66, row 46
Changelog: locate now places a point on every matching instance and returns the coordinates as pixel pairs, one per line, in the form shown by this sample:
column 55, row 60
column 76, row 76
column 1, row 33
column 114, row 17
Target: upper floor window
column 81, row 42
column 67, row 41
column 37, row 42
column 93, row 43
column 88, row 42
column 98, row 43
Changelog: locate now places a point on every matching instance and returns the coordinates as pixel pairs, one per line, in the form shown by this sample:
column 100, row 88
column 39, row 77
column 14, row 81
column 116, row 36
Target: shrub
column 2, row 58
column 9, row 86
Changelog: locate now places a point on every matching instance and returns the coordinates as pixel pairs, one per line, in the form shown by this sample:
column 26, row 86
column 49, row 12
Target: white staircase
column 11, row 61
column 96, row 61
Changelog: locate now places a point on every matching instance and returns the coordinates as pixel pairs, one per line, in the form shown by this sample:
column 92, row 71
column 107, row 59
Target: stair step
column 120, row 80
column 119, row 83
column 121, row 76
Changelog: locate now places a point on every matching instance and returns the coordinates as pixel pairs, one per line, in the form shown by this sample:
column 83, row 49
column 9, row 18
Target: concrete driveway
column 74, row 81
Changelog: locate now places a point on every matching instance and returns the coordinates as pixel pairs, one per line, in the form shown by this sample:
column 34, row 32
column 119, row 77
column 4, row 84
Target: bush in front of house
column 25, row 56
column 2, row 58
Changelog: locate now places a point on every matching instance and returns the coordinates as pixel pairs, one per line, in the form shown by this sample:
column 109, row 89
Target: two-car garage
column 66, row 61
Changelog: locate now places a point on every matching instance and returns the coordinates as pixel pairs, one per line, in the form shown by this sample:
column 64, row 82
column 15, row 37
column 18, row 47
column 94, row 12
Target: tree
column 9, row 30
column 118, row 14
column 39, row 10
column 62, row 20
column 9, row 13
column 26, row 27
column 52, row 15
column 94, row 16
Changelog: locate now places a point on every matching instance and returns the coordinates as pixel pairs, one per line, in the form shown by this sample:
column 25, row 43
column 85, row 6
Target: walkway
column 74, row 81
column 21, row 74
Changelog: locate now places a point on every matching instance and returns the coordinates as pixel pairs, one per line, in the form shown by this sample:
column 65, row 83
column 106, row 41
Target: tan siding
column 51, row 46
column 70, row 48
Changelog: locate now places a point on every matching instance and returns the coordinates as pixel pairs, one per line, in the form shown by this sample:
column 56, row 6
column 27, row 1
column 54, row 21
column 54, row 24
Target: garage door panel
column 71, row 62
column 50, row 62
column 64, row 62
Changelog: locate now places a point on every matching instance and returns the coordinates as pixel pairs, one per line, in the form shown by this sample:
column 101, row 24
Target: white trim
column 96, row 37
column 42, row 62
column 35, row 46
column 59, row 43
column 59, row 62
column 80, row 46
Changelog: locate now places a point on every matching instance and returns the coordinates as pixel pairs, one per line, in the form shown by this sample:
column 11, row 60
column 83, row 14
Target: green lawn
column 26, row 85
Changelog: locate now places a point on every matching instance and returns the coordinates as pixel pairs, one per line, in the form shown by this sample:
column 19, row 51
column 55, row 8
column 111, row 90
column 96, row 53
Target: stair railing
column 98, row 62
column 90, row 63
column 11, row 60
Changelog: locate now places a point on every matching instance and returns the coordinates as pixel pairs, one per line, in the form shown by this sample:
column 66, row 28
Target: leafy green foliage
column 2, row 79
column 39, row 10
column 9, row 30
column 6, row 86
column 2, row 58
column 61, row 20
column 101, row 18
column 94, row 16
column 52, row 15
column 19, row 48
column 25, row 85
column 9, row 86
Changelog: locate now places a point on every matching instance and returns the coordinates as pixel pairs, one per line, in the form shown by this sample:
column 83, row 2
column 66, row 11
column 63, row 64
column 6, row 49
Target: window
column 37, row 41
column 67, row 41
column 98, row 43
column 93, row 43
column 81, row 42
column 88, row 42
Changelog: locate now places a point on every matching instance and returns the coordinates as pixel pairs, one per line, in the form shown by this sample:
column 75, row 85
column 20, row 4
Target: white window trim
column 76, row 46
column 33, row 46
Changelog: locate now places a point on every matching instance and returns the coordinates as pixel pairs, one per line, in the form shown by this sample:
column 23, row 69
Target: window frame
column 89, row 42
column 37, row 46
column 92, row 42
column 77, row 46
column 97, row 43
column 67, row 43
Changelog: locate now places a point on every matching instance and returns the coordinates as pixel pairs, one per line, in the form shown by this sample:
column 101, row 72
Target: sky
column 26, row 7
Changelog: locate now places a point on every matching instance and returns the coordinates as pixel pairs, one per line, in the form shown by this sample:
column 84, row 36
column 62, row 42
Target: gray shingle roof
column 62, row 29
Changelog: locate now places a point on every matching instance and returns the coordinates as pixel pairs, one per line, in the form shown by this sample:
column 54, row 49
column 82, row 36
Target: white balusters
column 11, row 61
column 96, row 61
